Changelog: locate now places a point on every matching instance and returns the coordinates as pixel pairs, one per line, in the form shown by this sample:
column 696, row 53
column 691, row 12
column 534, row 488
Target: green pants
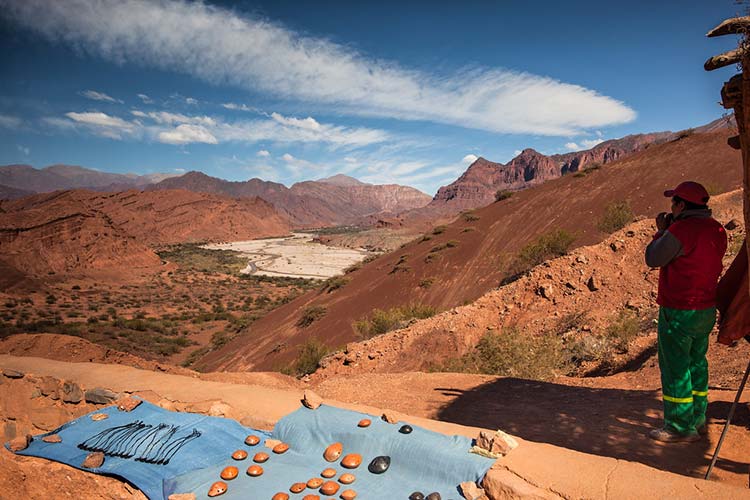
column 683, row 343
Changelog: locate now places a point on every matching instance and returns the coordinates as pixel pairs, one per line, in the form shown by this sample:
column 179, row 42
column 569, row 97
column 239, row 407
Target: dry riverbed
column 295, row 256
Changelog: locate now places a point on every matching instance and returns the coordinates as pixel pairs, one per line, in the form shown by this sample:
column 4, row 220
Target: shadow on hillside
column 606, row 422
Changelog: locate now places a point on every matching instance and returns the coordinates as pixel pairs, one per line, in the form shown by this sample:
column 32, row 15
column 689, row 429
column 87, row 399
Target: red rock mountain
column 336, row 200
column 9, row 193
column 80, row 231
column 477, row 186
column 58, row 177
column 470, row 256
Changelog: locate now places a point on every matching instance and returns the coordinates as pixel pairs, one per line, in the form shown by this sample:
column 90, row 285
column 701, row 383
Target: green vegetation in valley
column 310, row 315
column 308, row 359
column 190, row 256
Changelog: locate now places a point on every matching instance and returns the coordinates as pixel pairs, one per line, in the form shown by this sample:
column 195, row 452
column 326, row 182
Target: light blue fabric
column 219, row 438
column 421, row 461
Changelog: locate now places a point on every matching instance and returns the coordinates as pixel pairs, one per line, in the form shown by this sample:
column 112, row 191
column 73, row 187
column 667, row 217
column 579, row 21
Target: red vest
column 689, row 281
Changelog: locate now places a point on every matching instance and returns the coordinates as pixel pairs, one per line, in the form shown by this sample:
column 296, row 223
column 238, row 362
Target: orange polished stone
column 314, row 482
column 328, row 473
column 365, row 422
column 311, row 497
column 254, row 470
column 260, row 457
column 218, row 488
column 280, row 496
column 280, row 448
column 229, row 473
column 252, row 440
column 297, row 487
column 329, row 488
column 239, row 455
column 333, row 452
column 348, row 495
column 351, row 461
column 347, row 478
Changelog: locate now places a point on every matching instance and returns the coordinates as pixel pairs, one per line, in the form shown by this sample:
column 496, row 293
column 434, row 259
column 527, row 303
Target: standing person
column 688, row 248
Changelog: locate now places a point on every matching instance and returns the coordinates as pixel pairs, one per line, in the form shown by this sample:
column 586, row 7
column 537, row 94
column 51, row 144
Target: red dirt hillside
column 481, row 245
column 79, row 231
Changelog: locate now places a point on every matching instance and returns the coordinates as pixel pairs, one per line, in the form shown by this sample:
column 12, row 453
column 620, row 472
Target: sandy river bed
column 293, row 256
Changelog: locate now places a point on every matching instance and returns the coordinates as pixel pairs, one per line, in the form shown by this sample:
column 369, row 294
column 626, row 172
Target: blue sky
column 388, row 92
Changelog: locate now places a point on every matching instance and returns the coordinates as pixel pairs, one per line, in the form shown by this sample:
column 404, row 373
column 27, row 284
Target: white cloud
column 146, row 99
column 237, row 107
column 98, row 96
column 180, row 170
column 287, row 157
column 185, row 134
column 308, row 123
column 590, row 143
column 517, row 152
column 191, row 101
column 7, row 121
column 220, row 46
column 23, row 149
column 263, row 153
column 349, row 159
column 572, row 146
column 469, row 159
column 103, row 124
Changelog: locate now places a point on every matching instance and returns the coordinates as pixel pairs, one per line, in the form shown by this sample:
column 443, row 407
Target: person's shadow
column 607, row 422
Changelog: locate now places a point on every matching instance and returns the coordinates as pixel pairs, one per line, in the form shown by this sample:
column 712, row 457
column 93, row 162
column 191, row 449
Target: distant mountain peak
column 342, row 180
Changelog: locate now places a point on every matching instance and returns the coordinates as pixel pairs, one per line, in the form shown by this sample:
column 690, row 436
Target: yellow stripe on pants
column 677, row 400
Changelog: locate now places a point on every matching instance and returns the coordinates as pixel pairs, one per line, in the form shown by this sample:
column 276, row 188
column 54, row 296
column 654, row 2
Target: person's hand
column 663, row 220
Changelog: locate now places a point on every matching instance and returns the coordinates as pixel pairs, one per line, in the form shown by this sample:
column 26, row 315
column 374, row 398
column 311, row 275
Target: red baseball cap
column 689, row 191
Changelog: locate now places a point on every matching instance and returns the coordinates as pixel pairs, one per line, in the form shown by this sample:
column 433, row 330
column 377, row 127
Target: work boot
column 670, row 436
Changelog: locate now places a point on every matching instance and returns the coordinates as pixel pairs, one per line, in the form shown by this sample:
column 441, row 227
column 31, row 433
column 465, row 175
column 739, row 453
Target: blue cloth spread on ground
column 420, row 461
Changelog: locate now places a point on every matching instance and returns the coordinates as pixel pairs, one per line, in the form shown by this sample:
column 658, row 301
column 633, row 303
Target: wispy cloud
column 263, row 153
column 98, row 96
column 584, row 144
column 221, row 46
column 7, row 121
column 469, row 159
column 238, row 107
column 178, row 128
column 145, row 99
column 23, row 149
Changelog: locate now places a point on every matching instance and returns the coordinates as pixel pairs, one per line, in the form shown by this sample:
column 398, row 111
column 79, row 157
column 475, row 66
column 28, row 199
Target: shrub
column 616, row 216
column 624, row 328
column 310, row 315
column 380, row 321
column 424, row 238
column 308, row 359
column 503, row 194
column 470, row 217
column 512, row 353
column 426, row 283
column 546, row 246
column 334, row 283
column 438, row 230
column 468, row 229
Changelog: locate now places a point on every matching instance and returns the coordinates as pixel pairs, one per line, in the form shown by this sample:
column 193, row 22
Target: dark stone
column 100, row 396
column 71, row 393
column 405, row 429
column 379, row 465
column 12, row 373
column 731, row 225
column 433, row 496
column 417, row 495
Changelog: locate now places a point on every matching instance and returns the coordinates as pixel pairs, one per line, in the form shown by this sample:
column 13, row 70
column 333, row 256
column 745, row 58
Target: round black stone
column 405, row 429
column 417, row 495
column 379, row 465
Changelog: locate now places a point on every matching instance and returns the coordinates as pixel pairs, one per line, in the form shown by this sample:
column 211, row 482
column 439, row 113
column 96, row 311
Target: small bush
column 438, row 230
column 624, row 328
column 470, row 217
column 424, row 238
column 426, row 283
column 512, row 353
column 616, row 216
column 579, row 174
column 547, row 246
column 308, row 359
column 334, row 283
column 380, row 322
column 468, row 229
column 503, row 194
column 310, row 315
